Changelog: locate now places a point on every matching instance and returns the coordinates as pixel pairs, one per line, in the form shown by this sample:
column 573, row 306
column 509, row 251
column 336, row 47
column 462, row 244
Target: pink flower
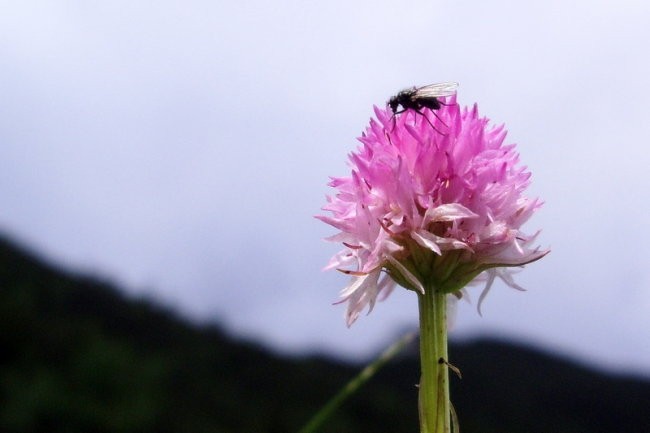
column 433, row 200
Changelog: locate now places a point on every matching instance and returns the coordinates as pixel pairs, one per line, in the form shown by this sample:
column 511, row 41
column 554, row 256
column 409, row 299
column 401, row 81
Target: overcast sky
column 181, row 149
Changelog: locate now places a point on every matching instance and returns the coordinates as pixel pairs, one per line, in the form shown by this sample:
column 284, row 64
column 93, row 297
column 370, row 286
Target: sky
column 181, row 149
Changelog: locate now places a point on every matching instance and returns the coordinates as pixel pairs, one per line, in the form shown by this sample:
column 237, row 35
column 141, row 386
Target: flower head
column 433, row 200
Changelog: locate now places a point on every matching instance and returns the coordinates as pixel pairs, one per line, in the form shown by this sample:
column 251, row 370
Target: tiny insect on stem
column 451, row 367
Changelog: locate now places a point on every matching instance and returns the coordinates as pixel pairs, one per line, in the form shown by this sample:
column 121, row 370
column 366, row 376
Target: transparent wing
column 435, row 90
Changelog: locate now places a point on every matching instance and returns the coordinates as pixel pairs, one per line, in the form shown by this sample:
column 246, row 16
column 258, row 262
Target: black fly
column 417, row 98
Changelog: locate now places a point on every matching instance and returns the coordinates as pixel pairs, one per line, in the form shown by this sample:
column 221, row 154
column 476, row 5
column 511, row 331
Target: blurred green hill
column 79, row 356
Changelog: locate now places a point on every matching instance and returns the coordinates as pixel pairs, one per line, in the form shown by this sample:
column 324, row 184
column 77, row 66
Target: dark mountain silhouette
column 78, row 356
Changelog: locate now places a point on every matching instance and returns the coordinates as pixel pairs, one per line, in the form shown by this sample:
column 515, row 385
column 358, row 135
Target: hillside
column 78, row 356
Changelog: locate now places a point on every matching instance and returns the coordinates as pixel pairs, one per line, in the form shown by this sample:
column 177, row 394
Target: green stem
column 319, row 418
column 434, row 382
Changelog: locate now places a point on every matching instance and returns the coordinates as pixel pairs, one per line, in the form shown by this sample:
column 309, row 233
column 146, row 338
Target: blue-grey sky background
column 181, row 149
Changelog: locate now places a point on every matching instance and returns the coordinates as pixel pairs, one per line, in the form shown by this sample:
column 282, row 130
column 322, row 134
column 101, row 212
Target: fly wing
column 435, row 90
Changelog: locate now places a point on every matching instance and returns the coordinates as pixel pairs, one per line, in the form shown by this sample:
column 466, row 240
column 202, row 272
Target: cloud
column 183, row 149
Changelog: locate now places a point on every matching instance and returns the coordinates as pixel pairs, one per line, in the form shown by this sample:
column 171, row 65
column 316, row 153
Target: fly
column 417, row 98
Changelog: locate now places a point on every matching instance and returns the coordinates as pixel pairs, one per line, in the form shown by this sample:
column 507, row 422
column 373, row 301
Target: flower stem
column 326, row 411
column 434, row 381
